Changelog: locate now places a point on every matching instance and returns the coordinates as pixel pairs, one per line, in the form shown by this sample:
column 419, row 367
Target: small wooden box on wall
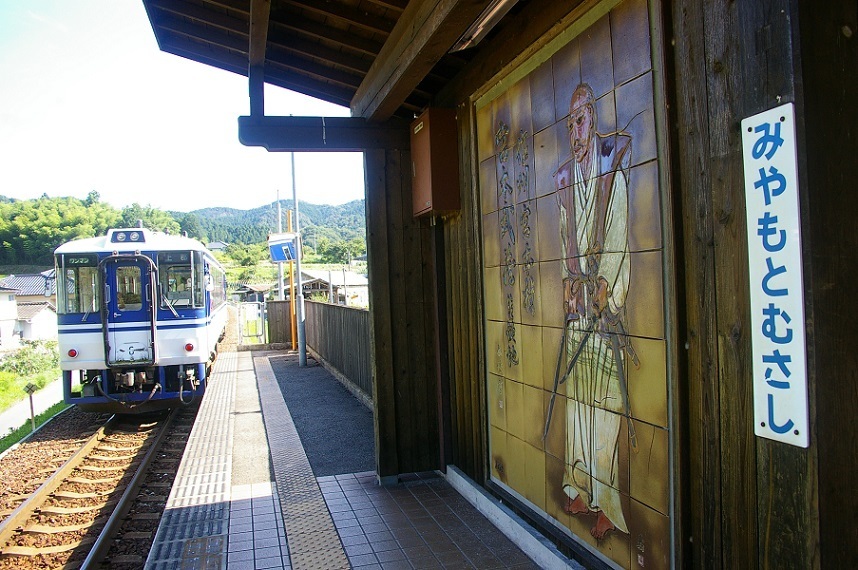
column 435, row 163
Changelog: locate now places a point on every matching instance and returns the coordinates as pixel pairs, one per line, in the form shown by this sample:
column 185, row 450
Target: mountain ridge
column 333, row 222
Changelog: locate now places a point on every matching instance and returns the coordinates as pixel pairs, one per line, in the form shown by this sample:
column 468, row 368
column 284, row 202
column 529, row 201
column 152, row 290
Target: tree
column 333, row 251
column 190, row 225
column 247, row 255
column 152, row 218
column 31, row 229
column 356, row 247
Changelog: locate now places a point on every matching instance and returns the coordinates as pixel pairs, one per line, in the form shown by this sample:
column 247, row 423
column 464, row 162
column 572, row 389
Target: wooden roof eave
column 422, row 36
column 279, row 134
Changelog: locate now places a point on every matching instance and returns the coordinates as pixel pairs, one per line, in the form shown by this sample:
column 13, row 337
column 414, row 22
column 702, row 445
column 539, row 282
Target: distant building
column 217, row 246
column 37, row 320
column 252, row 293
column 33, row 287
column 8, row 318
column 348, row 287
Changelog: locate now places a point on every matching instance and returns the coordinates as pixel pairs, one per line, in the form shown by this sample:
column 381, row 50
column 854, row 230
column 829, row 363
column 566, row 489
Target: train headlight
column 189, row 347
column 72, row 353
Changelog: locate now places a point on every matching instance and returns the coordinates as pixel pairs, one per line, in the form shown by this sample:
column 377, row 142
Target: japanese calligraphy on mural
column 574, row 300
column 775, row 275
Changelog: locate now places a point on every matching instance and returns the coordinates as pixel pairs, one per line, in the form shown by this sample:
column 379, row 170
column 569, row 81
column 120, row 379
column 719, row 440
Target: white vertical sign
column 777, row 286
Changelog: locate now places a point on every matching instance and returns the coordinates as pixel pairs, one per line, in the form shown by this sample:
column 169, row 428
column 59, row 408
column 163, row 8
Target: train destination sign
column 81, row 260
column 775, row 275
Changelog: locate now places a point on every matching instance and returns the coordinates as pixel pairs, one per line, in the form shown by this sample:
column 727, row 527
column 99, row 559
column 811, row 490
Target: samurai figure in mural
column 592, row 193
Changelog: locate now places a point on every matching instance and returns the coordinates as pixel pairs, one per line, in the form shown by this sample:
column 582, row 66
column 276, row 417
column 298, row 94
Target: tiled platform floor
column 228, row 511
column 420, row 523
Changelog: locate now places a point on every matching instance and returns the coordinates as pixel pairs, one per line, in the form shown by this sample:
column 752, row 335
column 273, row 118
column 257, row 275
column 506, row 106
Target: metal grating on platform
column 312, row 536
column 193, row 531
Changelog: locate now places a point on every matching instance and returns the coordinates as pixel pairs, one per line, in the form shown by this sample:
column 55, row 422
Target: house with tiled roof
column 37, row 320
column 33, row 287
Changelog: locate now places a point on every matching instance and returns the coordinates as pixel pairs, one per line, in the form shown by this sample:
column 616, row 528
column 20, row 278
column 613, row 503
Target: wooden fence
column 340, row 335
column 279, row 323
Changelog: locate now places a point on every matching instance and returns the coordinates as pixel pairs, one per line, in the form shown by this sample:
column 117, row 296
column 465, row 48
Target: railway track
column 69, row 520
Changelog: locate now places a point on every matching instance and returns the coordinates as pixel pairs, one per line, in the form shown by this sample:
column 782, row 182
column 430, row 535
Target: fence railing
column 340, row 335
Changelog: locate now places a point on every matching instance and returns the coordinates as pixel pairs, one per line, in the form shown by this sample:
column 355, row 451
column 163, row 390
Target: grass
column 12, row 386
column 17, row 435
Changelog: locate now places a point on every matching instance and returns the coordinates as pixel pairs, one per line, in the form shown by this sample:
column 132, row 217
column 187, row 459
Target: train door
column 129, row 322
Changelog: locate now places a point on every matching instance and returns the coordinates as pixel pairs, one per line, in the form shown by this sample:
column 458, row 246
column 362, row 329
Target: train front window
column 129, row 288
column 179, row 284
column 77, row 290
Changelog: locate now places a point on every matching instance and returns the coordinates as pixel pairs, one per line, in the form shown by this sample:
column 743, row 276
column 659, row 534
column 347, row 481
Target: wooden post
column 31, row 388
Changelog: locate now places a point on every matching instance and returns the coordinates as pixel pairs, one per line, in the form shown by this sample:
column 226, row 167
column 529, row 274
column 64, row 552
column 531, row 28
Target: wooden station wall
column 741, row 501
column 402, row 297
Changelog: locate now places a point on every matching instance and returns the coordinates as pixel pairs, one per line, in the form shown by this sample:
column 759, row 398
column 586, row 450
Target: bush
column 36, row 362
column 34, row 357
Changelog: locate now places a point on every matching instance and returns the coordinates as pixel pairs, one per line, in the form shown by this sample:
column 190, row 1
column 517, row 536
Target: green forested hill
column 31, row 229
column 343, row 222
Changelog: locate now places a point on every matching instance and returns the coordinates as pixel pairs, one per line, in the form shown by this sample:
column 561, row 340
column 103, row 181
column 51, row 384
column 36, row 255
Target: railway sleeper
column 137, row 535
column 117, row 458
column 45, row 529
column 118, row 449
column 73, row 495
column 85, row 481
column 36, row 550
column 101, row 469
column 52, row 510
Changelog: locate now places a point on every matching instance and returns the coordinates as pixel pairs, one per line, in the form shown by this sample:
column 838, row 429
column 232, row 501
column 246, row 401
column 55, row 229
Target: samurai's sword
column 624, row 390
column 558, row 380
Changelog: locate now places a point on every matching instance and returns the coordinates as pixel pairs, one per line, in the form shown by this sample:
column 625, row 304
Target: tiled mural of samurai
column 574, row 257
column 593, row 197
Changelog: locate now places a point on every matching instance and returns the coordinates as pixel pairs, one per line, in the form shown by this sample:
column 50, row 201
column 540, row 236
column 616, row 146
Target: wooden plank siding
column 829, row 50
column 279, row 321
column 404, row 376
column 464, row 317
column 340, row 336
column 736, row 507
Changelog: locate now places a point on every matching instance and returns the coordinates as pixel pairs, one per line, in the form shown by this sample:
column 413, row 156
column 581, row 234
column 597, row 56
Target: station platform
column 246, row 497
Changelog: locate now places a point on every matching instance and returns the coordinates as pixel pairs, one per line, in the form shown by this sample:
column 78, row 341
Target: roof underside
column 325, row 48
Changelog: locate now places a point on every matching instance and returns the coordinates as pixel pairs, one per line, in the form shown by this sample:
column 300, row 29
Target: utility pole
column 292, row 304
column 279, row 265
column 299, row 296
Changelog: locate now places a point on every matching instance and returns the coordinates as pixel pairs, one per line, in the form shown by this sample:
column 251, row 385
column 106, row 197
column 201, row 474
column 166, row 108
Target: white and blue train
column 140, row 315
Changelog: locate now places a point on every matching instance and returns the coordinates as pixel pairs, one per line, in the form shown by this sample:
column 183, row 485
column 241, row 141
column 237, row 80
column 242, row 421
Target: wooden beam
column 319, row 71
column 423, row 34
column 259, row 14
column 334, row 57
column 307, row 27
column 237, row 41
column 347, row 14
column 287, row 134
column 202, row 15
column 391, row 4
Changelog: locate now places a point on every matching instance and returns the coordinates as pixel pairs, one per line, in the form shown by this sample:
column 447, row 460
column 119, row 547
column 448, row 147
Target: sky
column 88, row 102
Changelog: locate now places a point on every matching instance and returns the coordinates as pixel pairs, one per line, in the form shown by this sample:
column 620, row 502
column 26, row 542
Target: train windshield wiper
column 169, row 305
column 87, row 312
